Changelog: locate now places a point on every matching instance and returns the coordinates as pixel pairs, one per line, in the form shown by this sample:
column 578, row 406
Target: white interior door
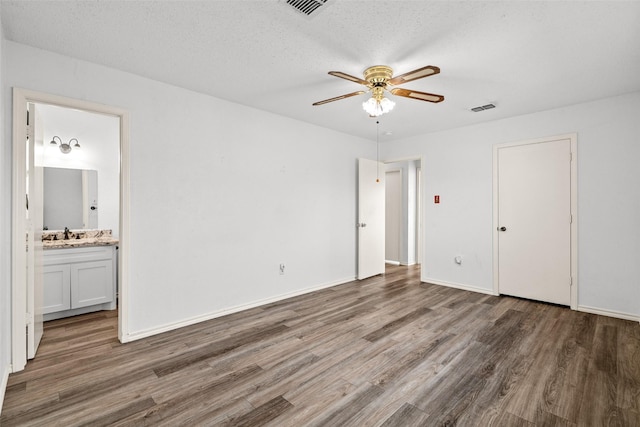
column 534, row 221
column 371, row 218
column 34, row 223
column 393, row 215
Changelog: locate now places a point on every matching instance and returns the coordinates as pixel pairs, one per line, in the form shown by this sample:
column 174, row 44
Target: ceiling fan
column 378, row 79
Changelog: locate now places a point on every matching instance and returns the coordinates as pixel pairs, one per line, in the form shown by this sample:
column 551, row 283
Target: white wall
column 221, row 194
column 458, row 167
column 5, row 226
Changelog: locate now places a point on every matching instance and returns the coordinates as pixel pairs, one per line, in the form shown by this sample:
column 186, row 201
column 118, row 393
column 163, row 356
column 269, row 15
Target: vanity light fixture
column 65, row 147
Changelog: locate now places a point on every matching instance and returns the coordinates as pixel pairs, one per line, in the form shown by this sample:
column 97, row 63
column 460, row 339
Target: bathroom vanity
column 79, row 273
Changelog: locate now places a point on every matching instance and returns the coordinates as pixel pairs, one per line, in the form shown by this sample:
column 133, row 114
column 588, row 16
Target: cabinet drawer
column 81, row 254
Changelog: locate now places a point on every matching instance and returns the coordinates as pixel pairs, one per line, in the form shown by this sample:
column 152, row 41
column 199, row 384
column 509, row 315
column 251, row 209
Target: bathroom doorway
column 101, row 134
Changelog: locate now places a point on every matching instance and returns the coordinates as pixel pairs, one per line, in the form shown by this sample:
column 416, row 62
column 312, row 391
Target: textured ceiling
column 522, row 56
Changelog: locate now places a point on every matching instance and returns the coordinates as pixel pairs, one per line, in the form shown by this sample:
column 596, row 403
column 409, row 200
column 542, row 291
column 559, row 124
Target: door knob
column 503, row 228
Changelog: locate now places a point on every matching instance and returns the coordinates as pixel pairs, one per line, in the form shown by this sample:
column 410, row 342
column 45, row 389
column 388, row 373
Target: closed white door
column 371, row 214
column 534, row 221
column 393, row 215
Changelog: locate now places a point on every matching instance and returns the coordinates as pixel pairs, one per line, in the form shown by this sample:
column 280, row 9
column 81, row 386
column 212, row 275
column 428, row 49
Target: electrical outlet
column 281, row 269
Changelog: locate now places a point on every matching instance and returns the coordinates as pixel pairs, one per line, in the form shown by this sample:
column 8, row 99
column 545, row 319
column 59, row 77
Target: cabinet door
column 57, row 288
column 91, row 283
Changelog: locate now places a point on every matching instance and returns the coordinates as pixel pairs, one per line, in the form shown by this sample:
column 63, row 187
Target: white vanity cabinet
column 79, row 280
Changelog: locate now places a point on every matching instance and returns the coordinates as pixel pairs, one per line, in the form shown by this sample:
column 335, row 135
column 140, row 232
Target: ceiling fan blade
column 414, row 94
column 338, row 98
column 349, row 77
column 427, row 71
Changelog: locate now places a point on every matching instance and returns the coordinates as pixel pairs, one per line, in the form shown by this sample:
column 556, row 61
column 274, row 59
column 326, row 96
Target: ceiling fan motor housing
column 378, row 75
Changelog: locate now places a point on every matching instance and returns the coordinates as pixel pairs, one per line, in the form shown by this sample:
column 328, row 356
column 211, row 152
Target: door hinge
column 570, row 156
column 570, row 281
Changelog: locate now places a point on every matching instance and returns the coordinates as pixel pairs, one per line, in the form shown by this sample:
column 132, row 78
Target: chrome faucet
column 66, row 233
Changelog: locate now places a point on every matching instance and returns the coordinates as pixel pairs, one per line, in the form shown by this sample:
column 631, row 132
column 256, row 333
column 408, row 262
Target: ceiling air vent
column 308, row 8
column 482, row 108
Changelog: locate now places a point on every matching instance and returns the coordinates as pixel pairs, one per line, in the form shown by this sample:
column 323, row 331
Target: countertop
column 77, row 238
column 76, row 243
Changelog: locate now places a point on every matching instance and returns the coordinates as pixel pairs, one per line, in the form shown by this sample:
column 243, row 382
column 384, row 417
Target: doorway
column 403, row 211
column 20, row 302
column 535, row 221
column 393, row 216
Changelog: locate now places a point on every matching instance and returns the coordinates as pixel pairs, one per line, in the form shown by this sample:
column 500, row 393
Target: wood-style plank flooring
column 386, row 351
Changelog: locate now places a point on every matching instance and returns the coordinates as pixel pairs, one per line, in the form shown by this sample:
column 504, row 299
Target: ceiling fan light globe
column 387, row 105
column 377, row 108
column 372, row 107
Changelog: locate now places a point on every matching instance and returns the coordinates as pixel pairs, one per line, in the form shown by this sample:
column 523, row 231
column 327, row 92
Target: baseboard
column 584, row 308
column 458, row 286
column 609, row 313
column 387, row 261
column 3, row 385
column 192, row 321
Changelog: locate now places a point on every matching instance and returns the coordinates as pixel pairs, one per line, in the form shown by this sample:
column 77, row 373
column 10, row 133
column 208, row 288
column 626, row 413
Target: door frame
column 21, row 97
column 573, row 138
column 419, row 225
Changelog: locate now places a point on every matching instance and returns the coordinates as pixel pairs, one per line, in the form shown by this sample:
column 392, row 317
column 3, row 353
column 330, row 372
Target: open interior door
column 34, row 224
column 371, row 218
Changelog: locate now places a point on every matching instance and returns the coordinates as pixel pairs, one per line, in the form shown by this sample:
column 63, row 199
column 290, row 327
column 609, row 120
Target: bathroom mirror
column 70, row 198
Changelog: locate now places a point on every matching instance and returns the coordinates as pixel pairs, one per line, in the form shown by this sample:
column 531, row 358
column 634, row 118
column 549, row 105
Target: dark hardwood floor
column 386, row 351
